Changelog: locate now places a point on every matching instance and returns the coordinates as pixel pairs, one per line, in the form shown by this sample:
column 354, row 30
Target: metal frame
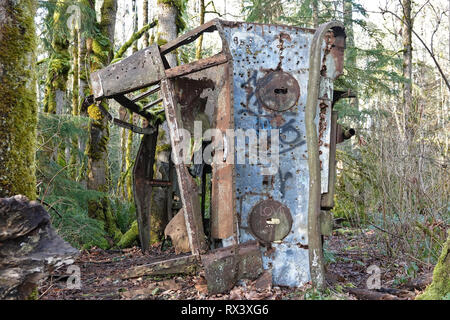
column 148, row 68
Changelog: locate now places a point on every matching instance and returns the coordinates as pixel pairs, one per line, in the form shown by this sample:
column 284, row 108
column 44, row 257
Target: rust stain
column 322, row 121
column 277, row 121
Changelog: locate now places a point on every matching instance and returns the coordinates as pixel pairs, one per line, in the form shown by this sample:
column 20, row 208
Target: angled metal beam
column 188, row 187
column 142, row 186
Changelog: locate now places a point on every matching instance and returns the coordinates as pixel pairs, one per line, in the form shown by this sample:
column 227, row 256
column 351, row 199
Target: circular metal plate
column 270, row 220
column 278, row 91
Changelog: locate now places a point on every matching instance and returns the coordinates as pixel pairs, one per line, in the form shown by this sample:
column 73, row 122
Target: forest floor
column 349, row 253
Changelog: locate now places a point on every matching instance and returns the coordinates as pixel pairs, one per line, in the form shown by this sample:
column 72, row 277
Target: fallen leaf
column 202, row 288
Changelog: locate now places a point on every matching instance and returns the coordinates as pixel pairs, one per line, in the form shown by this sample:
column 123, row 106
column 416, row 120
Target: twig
column 50, row 207
column 383, row 11
column 43, row 294
column 377, row 227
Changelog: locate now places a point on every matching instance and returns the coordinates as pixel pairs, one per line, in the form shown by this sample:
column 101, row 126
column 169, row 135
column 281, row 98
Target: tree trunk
column 198, row 52
column 98, row 169
column 59, row 65
column 169, row 23
column 18, row 107
column 407, row 25
column 350, row 53
column 167, row 27
column 145, row 22
column 315, row 10
column 132, row 119
column 75, row 103
column 83, row 87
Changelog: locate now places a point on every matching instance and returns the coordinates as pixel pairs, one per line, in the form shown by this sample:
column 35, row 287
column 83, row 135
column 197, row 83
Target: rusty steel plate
column 278, row 91
column 270, row 220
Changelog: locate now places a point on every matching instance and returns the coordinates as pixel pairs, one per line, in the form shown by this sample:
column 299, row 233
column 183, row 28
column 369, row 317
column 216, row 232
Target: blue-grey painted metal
column 258, row 50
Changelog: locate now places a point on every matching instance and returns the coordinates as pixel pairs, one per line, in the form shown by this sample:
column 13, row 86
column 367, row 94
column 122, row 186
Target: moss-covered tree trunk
column 439, row 289
column 101, row 53
column 59, row 64
column 18, row 107
column 83, row 88
column 145, row 39
column 133, row 118
column 75, row 103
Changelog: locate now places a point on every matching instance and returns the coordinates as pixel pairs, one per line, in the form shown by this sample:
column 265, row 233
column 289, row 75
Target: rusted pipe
column 344, row 133
column 316, row 263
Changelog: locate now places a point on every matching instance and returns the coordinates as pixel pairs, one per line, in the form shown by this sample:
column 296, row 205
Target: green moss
column 34, row 295
column 99, row 49
column 94, row 112
column 18, row 107
column 129, row 162
column 160, row 42
column 439, row 289
column 133, row 39
column 130, row 236
column 163, row 147
column 59, row 61
column 101, row 210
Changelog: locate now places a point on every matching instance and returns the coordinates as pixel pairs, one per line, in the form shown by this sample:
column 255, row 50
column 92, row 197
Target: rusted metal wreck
column 261, row 216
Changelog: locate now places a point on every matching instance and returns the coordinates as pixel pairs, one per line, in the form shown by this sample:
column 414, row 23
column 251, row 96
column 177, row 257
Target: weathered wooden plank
column 186, row 264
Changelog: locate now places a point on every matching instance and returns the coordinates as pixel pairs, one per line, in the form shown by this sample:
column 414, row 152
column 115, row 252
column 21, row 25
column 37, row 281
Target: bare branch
column 425, row 46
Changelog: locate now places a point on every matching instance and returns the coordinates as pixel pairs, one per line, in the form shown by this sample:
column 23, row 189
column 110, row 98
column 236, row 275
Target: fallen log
column 185, row 264
column 420, row 282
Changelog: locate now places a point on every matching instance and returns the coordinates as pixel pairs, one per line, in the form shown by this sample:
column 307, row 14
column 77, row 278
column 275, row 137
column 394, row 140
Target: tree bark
column 315, row 10
column 145, row 42
column 59, row 65
column 168, row 15
column 350, row 53
column 75, row 103
column 101, row 54
column 407, row 25
column 198, row 51
column 18, row 107
column 167, row 27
